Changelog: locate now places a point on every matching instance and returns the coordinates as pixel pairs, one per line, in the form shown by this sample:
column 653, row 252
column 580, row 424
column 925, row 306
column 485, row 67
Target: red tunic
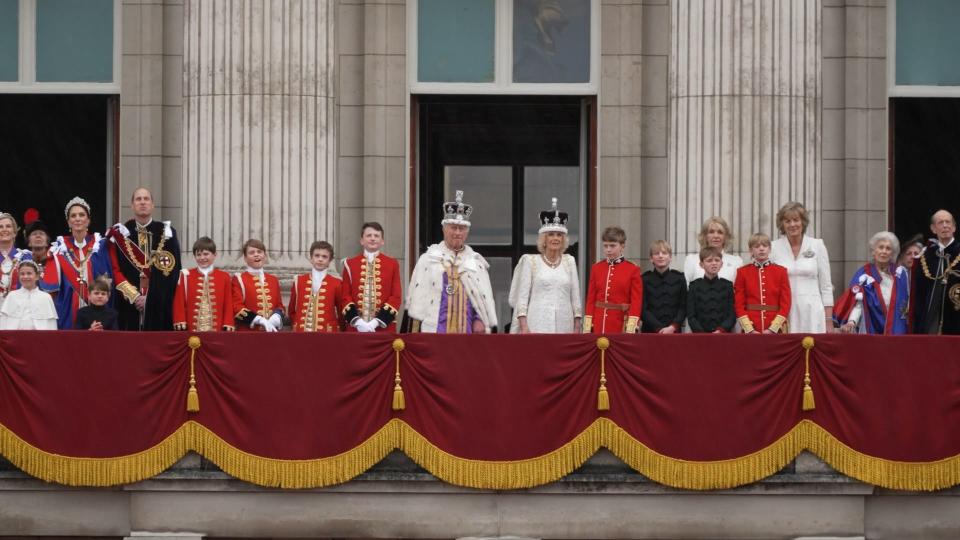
column 372, row 291
column 316, row 312
column 762, row 297
column 614, row 298
column 203, row 303
column 254, row 296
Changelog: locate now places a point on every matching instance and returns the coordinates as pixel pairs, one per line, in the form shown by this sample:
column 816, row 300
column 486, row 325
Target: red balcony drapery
column 296, row 410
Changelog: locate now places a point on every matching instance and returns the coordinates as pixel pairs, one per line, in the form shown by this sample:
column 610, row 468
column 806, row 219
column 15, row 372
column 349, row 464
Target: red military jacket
column 316, row 312
column 254, row 295
column 762, row 297
column 372, row 291
column 203, row 303
column 614, row 298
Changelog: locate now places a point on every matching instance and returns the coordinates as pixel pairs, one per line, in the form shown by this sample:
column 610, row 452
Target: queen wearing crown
column 450, row 290
column 545, row 292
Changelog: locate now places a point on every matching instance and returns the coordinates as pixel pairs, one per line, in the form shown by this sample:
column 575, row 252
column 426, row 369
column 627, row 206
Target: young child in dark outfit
column 98, row 315
column 710, row 298
column 664, row 293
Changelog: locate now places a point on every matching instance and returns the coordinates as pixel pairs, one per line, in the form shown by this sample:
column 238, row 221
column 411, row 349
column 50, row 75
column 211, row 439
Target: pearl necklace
column 551, row 264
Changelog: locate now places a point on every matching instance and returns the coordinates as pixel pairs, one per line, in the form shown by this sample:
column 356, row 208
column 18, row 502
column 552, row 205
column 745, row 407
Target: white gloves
column 276, row 320
column 267, row 325
column 365, row 326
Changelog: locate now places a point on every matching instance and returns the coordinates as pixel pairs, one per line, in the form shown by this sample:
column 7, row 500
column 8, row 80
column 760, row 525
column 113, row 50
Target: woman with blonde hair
column 545, row 291
column 808, row 266
column 714, row 233
column 10, row 255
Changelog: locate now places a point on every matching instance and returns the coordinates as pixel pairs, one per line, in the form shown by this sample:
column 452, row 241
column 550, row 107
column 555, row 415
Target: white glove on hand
column 258, row 320
column 364, row 326
column 276, row 320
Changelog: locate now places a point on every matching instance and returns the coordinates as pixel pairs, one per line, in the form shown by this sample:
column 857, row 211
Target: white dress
column 810, row 285
column 28, row 310
column 692, row 269
column 548, row 297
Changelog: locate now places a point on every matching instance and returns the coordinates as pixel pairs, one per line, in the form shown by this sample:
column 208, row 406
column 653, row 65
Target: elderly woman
column 545, row 292
column 714, row 233
column 10, row 255
column 808, row 266
column 878, row 298
column 82, row 257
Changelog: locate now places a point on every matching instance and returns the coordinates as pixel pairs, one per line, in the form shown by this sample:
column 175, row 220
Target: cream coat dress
column 548, row 297
column 810, row 285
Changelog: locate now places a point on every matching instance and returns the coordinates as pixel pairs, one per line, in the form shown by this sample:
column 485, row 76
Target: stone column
column 745, row 98
column 258, row 125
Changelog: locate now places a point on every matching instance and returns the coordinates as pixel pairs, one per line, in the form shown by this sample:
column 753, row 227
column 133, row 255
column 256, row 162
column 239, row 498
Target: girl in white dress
column 808, row 266
column 28, row 308
column 714, row 233
column 545, row 291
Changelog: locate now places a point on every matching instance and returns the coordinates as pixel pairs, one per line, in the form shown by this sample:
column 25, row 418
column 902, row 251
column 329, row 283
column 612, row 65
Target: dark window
column 509, row 155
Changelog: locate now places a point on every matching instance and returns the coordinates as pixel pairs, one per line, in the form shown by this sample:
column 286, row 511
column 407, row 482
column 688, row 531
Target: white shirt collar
column 137, row 224
column 255, row 271
column 205, row 271
column 316, row 279
column 371, row 255
column 943, row 246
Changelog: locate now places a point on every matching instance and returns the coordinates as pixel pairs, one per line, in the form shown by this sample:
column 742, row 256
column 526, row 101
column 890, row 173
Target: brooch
column 809, row 254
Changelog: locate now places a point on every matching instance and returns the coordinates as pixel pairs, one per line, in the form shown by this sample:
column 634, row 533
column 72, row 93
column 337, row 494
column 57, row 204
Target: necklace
column 79, row 262
column 942, row 277
column 551, row 264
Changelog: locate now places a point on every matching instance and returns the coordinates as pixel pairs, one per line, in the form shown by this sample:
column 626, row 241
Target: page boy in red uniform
column 203, row 301
column 762, row 291
column 371, row 285
column 316, row 299
column 256, row 294
column 614, row 291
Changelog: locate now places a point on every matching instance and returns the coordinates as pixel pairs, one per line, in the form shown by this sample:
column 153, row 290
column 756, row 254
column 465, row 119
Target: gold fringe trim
column 397, row 434
column 518, row 474
column 702, row 475
column 902, row 475
column 79, row 471
column 296, row 474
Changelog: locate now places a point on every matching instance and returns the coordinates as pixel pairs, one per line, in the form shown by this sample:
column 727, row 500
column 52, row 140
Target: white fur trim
column 455, row 221
column 552, row 228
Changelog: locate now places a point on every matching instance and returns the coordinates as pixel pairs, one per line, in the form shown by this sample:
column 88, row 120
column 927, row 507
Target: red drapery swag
column 301, row 410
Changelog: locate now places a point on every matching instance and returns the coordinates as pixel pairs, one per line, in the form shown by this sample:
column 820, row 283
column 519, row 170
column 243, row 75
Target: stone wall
column 397, row 499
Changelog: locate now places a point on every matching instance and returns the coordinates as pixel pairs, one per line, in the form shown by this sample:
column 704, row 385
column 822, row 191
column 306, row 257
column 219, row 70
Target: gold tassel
column 193, row 399
column 603, row 398
column 399, row 403
column 808, row 403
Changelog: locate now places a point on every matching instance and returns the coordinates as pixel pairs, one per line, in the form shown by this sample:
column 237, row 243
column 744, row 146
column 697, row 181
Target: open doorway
column 510, row 155
column 56, row 147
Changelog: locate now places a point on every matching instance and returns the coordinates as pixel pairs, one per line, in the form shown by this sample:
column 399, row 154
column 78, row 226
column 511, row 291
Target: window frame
column 503, row 60
column 907, row 90
column 27, row 66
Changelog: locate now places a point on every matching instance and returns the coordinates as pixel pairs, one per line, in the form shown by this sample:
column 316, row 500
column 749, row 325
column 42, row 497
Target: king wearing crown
column 450, row 290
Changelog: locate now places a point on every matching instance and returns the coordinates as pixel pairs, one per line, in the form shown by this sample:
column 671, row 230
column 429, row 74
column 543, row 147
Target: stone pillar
column 258, row 125
column 745, row 98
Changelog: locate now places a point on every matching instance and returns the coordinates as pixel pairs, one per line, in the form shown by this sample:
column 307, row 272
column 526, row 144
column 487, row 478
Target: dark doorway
column 53, row 148
column 926, row 163
column 510, row 155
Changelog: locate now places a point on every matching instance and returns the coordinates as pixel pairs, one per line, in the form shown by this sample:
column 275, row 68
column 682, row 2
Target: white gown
column 548, row 297
column 692, row 269
column 28, row 310
column 810, row 285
